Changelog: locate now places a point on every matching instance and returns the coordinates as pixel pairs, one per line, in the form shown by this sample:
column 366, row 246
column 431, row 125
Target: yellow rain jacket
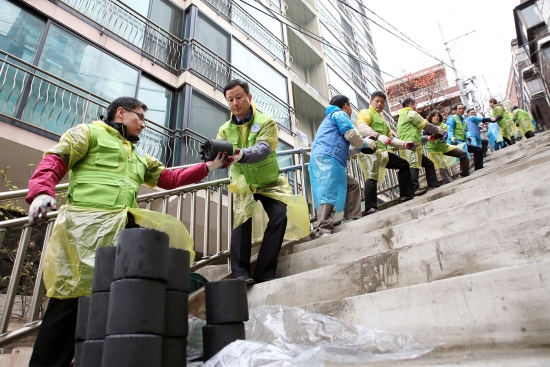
column 262, row 128
column 437, row 148
column 105, row 172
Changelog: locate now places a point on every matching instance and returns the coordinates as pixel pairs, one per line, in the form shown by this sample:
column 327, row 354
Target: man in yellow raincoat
column 504, row 120
column 370, row 122
column 255, row 176
column 105, row 170
column 409, row 126
column 524, row 122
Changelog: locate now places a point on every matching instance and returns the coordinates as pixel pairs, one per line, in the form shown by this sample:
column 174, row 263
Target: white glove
column 384, row 139
column 371, row 144
column 453, row 139
column 219, row 162
column 237, row 156
column 40, row 205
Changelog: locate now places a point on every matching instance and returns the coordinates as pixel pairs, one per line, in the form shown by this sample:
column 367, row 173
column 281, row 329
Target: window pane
column 76, row 61
column 341, row 86
column 141, row 6
column 212, row 36
column 207, row 115
column 272, row 24
column 206, row 118
column 158, row 100
column 168, row 17
column 20, row 32
column 259, row 71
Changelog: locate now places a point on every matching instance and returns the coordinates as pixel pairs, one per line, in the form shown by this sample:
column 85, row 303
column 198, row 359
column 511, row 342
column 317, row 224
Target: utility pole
column 463, row 96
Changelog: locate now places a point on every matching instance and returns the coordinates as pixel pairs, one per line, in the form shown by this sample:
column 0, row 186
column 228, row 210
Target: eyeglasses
column 140, row 115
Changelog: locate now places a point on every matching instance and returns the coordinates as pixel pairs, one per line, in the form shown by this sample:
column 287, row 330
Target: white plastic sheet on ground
column 290, row 336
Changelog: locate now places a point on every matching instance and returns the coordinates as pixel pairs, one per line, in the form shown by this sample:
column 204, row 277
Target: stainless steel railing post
column 39, row 284
column 15, row 277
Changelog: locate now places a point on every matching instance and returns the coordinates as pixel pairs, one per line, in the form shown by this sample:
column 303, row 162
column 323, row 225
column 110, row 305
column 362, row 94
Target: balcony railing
column 250, row 26
column 217, row 71
column 346, row 68
column 134, row 28
column 40, row 99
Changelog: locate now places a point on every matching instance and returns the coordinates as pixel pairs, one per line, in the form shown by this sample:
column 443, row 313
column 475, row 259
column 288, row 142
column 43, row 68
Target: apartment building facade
column 531, row 59
column 63, row 61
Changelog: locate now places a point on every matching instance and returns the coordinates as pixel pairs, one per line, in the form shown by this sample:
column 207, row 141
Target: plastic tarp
column 77, row 234
column 329, row 181
column 292, row 337
column 244, row 207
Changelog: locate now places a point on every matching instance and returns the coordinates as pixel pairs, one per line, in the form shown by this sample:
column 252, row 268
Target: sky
column 484, row 53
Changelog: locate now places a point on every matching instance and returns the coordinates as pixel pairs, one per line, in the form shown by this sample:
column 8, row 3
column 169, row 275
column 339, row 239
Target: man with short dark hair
column 105, row 170
column 409, row 127
column 255, row 176
column 332, row 187
column 371, row 123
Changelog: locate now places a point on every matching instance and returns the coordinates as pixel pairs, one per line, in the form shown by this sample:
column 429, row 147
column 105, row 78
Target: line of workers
column 337, row 139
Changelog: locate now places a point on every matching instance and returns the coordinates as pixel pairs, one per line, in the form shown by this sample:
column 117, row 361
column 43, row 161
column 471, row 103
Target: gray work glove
column 384, row 139
column 40, row 205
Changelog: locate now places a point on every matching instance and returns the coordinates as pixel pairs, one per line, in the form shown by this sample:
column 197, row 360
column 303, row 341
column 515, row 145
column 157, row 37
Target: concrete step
column 357, row 244
column 459, row 195
column 517, row 239
column 475, row 357
column 388, row 216
column 5, row 360
column 506, row 306
column 21, row 356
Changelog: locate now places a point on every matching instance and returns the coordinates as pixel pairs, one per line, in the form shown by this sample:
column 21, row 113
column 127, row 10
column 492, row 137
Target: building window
column 212, row 36
column 259, row 71
column 77, row 62
column 20, row 32
column 158, row 100
column 162, row 12
column 341, row 86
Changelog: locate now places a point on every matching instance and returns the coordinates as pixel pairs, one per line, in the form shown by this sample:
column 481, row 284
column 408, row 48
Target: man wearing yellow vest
column 370, row 122
column 255, row 176
column 106, row 170
column 409, row 127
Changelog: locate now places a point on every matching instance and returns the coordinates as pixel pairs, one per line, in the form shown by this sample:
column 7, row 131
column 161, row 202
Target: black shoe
column 248, row 280
column 420, row 192
column 405, row 198
column 370, row 211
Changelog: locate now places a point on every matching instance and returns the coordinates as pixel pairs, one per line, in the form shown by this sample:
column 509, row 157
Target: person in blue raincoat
column 495, row 138
column 476, row 144
column 332, row 187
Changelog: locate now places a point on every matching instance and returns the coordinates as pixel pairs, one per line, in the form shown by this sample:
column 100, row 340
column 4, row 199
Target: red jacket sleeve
column 185, row 176
column 47, row 175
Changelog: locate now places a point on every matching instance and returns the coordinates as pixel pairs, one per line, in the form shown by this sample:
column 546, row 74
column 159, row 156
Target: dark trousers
column 54, row 345
column 241, row 242
column 403, row 176
column 478, row 155
column 529, row 134
column 484, row 147
column 464, row 161
column 431, row 176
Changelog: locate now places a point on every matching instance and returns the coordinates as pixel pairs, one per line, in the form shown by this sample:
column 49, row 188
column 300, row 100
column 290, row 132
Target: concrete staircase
column 467, row 265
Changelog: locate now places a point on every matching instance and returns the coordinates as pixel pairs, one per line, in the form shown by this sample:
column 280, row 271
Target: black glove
column 498, row 117
column 443, row 138
column 469, row 139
